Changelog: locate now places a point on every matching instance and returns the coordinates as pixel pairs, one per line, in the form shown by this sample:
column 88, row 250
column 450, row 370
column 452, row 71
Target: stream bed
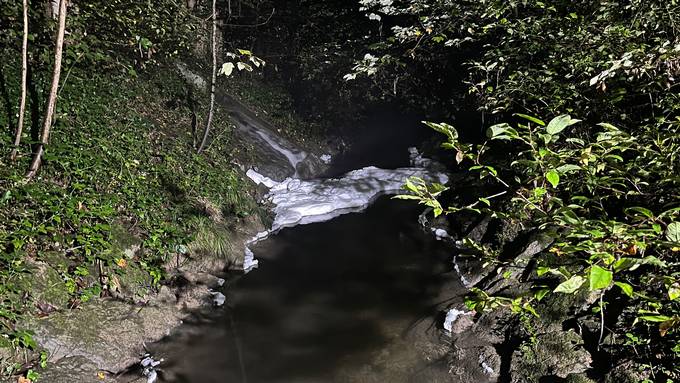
column 346, row 286
column 354, row 299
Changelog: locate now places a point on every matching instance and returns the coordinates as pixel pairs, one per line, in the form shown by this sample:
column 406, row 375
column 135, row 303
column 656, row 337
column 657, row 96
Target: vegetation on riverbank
column 122, row 157
column 579, row 100
column 599, row 175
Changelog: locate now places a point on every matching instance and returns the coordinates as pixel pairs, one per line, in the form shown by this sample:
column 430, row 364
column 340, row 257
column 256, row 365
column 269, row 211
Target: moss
column 122, row 239
column 578, row 378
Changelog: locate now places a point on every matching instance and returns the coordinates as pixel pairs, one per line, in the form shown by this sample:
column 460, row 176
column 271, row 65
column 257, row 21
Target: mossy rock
column 45, row 282
column 556, row 353
column 578, row 378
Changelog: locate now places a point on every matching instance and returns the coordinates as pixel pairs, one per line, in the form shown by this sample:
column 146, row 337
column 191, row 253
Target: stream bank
column 92, row 339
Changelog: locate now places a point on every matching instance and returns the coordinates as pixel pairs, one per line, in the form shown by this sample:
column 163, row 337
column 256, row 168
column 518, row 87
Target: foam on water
column 298, row 202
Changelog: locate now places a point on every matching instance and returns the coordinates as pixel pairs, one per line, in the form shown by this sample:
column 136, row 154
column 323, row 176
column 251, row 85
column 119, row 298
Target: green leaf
column 530, row 118
column 227, row 69
column 626, row 288
column 655, row 318
column 641, row 210
column 625, row 264
column 242, row 66
column 674, row 291
column 449, row 131
column 501, row 132
column 553, row 177
column 600, row 278
column 559, row 123
column 568, row 168
column 570, row 285
column 673, row 232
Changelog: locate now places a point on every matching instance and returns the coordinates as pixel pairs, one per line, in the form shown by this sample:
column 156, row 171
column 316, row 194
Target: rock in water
column 218, row 298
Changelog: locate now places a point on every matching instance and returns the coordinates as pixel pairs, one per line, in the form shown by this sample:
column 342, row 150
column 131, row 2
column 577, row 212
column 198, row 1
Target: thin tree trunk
column 24, row 73
column 52, row 100
column 206, row 132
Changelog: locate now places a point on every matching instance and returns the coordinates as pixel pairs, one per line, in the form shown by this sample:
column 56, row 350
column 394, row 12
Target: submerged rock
column 457, row 321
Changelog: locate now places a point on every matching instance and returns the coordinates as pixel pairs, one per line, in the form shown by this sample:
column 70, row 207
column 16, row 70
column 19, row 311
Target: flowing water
column 335, row 297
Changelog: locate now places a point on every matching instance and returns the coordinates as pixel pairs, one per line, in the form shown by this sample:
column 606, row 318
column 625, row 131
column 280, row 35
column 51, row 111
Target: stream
column 346, row 286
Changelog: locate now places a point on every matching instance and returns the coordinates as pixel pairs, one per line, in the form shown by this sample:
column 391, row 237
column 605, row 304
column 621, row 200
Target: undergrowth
column 121, row 155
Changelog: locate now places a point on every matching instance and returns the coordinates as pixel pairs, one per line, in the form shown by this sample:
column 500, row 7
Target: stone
column 75, row 369
column 107, row 333
column 478, row 232
column 556, row 353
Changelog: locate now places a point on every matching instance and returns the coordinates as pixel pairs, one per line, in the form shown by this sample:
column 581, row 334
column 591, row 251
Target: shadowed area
column 331, row 302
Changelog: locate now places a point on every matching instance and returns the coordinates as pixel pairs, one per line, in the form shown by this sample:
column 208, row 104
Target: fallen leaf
column 121, row 262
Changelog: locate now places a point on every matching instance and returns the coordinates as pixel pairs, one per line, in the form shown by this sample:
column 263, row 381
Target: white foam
column 326, row 158
column 260, row 179
column 440, row 233
column 298, row 202
column 451, row 317
column 249, row 261
column 463, row 280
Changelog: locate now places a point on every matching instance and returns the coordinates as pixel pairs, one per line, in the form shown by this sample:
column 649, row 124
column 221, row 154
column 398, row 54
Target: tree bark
column 52, row 100
column 206, row 132
column 24, row 73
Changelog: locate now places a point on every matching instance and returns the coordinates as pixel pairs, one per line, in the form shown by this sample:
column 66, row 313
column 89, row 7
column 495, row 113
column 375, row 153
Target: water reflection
column 350, row 300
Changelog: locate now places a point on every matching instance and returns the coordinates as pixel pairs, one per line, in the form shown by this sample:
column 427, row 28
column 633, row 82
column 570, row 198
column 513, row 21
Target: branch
column 252, row 25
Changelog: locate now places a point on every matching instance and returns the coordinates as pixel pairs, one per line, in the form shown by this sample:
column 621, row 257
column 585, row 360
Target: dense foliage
column 106, row 169
column 120, row 165
column 605, row 188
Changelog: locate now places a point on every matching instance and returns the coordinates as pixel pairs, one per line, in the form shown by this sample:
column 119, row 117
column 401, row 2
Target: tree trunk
column 52, row 100
column 24, row 72
column 206, row 132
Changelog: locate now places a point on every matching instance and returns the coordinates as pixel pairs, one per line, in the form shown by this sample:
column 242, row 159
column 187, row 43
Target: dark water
column 382, row 139
column 351, row 300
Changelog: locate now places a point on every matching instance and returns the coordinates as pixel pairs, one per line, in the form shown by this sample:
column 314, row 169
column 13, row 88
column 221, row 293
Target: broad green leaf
column 654, row 261
column 443, row 128
column 227, row 69
column 600, row 278
column 641, row 210
column 559, row 123
column 242, row 66
column 501, row 132
column 540, row 294
column 673, row 232
column 553, row 177
column 626, row 288
column 625, row 264
column 570, row 285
